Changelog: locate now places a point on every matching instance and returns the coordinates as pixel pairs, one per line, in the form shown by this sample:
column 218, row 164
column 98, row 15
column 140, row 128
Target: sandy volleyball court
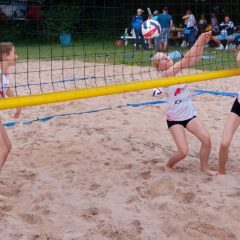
column 101, row 175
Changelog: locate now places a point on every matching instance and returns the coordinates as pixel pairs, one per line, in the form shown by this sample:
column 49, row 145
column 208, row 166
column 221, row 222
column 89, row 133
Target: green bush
column 60, row 19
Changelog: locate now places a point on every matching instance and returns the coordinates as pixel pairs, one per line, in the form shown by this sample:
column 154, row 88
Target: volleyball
column 151, row 29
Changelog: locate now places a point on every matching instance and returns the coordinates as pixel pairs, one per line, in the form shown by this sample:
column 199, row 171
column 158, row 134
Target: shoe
column 156, row 91
column 227, row 47
column 220, row 47
column 231, row 46
column 183, row 44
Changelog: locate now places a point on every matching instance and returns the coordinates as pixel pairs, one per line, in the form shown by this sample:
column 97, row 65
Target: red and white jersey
column 180, row 106
column 4, row 85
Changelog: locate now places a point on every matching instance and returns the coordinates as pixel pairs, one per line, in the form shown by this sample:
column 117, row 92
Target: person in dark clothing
column 137, row 21
column 226, row 28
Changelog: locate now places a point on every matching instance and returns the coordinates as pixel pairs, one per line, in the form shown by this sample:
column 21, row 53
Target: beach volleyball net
column 82, row 50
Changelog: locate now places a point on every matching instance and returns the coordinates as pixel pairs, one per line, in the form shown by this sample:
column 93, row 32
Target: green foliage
column 61, row 19
column 12, row 30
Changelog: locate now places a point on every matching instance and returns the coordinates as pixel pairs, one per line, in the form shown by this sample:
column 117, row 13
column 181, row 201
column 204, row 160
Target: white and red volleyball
column 151, row 29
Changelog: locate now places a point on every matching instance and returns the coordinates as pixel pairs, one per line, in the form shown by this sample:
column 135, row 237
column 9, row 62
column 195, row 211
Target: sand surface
column 101, row 175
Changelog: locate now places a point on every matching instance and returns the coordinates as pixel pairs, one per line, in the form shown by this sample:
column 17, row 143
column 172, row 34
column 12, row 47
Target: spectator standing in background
column 166, row 22
column 137, row 21
column 155, row 18
column 214, row 24
column 190, row 30
column 202, row 24
column 155, row 15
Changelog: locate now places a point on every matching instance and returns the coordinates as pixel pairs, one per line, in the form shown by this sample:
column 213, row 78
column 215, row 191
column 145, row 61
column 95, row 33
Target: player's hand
column 206, row 37
column 237, row 49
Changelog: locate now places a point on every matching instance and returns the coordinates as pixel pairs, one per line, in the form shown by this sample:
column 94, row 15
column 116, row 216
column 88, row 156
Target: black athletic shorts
column 236, row 107
column 183, row 123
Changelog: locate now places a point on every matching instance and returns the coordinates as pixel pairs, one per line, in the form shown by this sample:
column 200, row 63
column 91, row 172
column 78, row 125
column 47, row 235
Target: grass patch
column 108, row 53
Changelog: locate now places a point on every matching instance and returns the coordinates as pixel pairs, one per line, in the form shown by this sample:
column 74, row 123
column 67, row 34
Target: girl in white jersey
column 230, row 128
column 181, row 113
column 7, row 59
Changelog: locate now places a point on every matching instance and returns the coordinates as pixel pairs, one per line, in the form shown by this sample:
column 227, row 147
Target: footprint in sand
column 137, row 225
column 28, row 176
column 8, row 191
column 106, row 139
column 124, row 111
column 199, row 229
column 94, row 186
column 90, row 213
column 153, row 161
column 132, row 199
column 136, row 149
column 107, row 163
column 5, row 208
column 117, row 232
column 146, row 174
column 234, row 194
column 37, row 237
column 135, row 172
column 44, row 196
column 116, row 149
column 127, row 166
column 164, row 186
column 184, row 197
column 30, row 218
column 42, row 209
column 125, row 122
column 180, row 169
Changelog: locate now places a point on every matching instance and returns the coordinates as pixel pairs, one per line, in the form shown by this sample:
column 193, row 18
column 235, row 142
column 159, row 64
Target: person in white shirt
column 231, row 126
column 181, row 112
column 8, row 57
column 190, row 31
